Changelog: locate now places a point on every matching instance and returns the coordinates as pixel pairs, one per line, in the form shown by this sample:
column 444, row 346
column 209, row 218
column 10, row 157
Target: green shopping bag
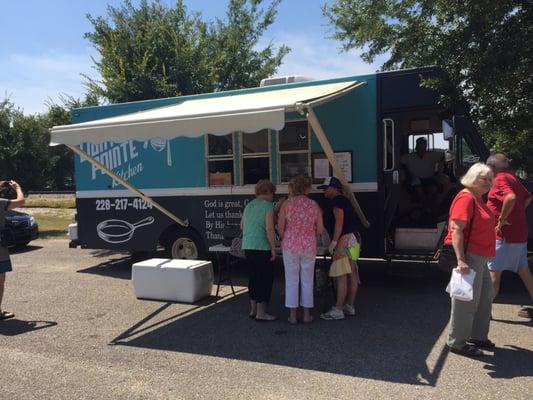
column 354, row 251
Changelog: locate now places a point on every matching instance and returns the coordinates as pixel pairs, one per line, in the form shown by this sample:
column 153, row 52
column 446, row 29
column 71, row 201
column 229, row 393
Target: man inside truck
column 425, row 178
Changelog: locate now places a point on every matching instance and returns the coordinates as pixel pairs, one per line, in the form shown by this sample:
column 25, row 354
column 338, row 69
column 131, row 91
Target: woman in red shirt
column 472, row 235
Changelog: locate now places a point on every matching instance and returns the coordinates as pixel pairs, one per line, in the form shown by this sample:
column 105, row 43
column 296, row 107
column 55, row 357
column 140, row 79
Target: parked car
column 23, row 226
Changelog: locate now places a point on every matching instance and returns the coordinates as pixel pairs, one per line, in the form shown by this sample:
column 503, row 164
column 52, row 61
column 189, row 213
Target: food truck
column 178, row 172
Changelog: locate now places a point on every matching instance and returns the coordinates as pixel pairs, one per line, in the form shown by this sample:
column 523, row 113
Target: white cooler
column 173, row 280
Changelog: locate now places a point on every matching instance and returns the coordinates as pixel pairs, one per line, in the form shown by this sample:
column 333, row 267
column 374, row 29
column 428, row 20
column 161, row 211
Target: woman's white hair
column 474, row 172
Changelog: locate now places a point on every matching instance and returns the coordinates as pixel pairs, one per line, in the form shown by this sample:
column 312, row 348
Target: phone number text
column 122, row 204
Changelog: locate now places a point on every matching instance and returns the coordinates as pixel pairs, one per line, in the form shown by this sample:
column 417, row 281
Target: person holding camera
column 5, row 261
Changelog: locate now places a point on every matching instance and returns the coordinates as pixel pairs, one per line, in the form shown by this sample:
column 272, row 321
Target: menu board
column 322, row 168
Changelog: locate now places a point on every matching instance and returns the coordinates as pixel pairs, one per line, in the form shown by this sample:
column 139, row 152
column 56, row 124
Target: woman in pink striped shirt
column 300, row 222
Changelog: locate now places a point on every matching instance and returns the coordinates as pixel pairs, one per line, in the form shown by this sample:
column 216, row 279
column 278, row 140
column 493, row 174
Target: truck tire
column 185, row 244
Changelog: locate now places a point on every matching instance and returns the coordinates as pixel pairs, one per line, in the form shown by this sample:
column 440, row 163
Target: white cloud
column 321, row 58
column 30, row 80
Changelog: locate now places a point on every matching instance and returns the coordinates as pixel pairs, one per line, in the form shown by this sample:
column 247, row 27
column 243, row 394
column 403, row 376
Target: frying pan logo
column 119, row 231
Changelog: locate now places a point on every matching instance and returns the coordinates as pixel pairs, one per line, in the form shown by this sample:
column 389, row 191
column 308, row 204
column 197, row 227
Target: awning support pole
column 127, row 185
column 326, row 146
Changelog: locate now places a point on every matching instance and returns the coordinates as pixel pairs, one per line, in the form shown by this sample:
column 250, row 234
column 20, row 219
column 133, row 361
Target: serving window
column 220, row 160
column 255, row 156
column 294, row 150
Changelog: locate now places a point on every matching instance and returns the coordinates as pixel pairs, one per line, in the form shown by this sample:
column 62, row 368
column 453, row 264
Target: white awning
column 218, row 115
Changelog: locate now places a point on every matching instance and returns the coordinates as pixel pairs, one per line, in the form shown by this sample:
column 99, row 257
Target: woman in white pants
column 300, row 221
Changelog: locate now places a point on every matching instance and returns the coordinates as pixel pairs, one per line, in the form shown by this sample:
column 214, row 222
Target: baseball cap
column 331, row 181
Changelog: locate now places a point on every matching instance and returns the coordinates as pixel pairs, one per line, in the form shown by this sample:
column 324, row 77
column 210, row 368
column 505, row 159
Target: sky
column 43, row 53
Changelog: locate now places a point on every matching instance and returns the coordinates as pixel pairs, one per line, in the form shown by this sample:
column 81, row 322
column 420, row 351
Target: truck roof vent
column 280, row 80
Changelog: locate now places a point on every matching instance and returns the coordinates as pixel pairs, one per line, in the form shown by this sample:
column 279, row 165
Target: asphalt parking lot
column 80, row 333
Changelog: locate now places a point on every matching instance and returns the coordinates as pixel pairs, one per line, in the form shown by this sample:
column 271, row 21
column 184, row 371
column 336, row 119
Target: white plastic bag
column 461, row 286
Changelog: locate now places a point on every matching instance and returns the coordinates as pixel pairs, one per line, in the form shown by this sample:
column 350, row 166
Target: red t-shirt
column 482, row 240
column 504, row 183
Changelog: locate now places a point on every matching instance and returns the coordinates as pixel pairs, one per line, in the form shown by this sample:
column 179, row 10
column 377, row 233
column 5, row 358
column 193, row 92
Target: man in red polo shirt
column 508, row 199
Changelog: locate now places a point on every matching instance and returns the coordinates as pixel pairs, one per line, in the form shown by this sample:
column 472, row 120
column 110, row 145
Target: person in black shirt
column 343, row 236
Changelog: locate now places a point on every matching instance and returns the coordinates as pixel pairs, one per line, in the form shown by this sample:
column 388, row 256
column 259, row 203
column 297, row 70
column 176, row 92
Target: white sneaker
column 348, row 310
column 333, row 314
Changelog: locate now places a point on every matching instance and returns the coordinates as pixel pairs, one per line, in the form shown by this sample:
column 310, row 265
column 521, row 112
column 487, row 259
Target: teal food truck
column 177, row 172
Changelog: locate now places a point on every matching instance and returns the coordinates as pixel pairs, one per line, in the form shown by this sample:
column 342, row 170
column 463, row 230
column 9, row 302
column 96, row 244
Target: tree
column 235, row 61
column 486, row 48
column 153, row 51
column 60, row 174
column 23, row 147
column 25, row 154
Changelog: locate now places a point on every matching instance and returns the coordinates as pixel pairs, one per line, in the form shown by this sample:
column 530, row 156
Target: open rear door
column 391, row 147
column 469, row 146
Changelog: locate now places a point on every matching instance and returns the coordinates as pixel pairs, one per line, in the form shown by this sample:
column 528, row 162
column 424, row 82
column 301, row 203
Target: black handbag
column 7, row 237
column 447, row 257
column 236, row 248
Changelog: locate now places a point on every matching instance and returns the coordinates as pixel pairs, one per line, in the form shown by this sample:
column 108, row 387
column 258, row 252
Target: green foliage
column 486, row 48
column 152, row 51
column 23, row 147
column 61, row 168
column 25, row 154
column 235, row 62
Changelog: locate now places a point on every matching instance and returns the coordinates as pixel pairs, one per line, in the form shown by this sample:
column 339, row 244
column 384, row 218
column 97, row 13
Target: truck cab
column 415, row 215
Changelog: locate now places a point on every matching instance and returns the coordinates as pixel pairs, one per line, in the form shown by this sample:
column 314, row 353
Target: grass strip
column 43, row 203
column 53, row 225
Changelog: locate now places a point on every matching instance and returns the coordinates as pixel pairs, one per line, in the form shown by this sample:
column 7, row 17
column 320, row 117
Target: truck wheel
column 185, row 245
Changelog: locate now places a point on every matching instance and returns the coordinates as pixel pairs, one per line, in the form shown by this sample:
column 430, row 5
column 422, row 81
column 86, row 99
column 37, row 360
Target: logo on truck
column 122, row 157
column 118, row 230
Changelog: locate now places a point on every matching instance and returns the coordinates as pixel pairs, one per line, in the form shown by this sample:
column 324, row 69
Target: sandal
column 526, row 312
column 482, row 344
column 467, row 351
column 6, row 315
column 265, row 318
